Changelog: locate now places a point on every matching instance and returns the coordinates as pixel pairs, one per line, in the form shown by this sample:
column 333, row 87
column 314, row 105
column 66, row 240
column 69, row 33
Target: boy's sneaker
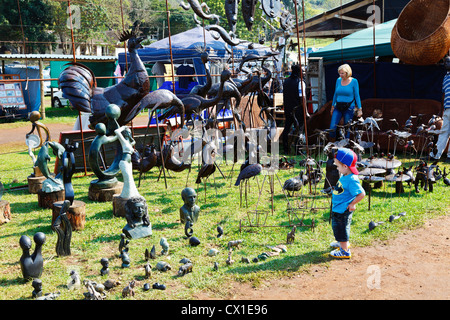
column 336, row 244
column 341, row 254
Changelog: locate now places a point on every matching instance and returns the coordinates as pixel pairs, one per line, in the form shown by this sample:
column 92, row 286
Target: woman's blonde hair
column 346, row 68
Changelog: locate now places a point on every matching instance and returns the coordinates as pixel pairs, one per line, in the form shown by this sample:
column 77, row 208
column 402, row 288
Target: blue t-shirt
column 347, row 93
column 345, row 191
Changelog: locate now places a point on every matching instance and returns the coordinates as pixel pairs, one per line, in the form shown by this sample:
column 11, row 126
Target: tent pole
column 171, row 56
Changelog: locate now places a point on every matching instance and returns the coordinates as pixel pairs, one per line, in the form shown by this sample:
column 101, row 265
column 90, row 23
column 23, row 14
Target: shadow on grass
column 288, row 263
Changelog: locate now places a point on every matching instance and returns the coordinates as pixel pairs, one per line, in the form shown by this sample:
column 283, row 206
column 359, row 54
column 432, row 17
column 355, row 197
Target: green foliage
column 35, row 18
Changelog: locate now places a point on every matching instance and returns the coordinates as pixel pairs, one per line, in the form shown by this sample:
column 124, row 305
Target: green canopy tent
column 360, row 45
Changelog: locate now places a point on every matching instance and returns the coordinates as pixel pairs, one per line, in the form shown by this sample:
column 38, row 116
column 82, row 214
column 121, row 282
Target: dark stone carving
column 67, row 169
column 63, row 229
column 32, row 265
column 138, row 223
column 105, row 266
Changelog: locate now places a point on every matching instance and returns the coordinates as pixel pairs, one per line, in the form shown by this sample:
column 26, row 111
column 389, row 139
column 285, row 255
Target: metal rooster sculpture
column 79, row 85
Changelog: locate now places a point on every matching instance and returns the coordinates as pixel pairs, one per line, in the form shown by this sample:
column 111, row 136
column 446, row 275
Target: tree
column 31, row 24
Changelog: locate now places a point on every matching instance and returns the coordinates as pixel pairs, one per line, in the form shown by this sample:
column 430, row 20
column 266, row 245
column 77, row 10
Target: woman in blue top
column 347, row 90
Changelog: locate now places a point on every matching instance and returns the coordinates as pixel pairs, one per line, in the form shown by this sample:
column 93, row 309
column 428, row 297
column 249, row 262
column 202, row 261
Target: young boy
column 346, row 194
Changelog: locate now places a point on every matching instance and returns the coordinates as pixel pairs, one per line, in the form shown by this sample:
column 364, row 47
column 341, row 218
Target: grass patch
column 101, row 235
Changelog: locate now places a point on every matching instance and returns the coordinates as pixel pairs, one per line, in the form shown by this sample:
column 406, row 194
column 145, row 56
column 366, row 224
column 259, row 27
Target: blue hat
column 347, row 157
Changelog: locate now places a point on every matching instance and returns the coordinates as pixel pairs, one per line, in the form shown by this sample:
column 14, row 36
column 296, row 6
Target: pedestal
column 104, row 195
column 35, row 183
column 76, row 213
column 119, row 203
column 140, row 231
column 46, row 199
column 5, row 212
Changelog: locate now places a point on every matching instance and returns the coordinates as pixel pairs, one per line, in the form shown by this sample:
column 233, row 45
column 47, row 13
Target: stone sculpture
column 138, row 223
column 105, row 266
column 32, row 264
column 63, row 229
column 189, row 211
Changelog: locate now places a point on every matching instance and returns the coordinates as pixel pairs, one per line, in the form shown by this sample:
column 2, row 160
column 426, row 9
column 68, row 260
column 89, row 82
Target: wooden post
column 41, row 76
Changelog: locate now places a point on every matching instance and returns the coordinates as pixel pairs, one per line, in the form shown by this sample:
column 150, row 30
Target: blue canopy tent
column 189, row 45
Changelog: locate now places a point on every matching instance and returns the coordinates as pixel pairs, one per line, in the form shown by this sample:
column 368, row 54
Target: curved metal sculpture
column 198, row 9
column 271, row 7
column 223, row 34
column 202, row 90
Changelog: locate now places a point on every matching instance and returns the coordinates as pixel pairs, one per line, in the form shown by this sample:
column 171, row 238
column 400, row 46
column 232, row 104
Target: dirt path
column 415, row 265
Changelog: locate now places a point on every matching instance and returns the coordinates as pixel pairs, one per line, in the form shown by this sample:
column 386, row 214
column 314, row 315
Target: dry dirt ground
column 413, row 266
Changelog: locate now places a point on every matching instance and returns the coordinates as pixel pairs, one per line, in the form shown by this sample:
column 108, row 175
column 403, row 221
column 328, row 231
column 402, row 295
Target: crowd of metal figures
column 112, row 108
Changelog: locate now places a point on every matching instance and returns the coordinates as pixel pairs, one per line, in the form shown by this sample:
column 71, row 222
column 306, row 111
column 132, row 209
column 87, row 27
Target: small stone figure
column 138, row 223
column 109, row 284
column 291, row 235
column 163, row 266
column 229, row 261
column 216, row 266
column 125, row 259
column 92, row 293
column 123, row 244
column 153, row 252
column 165, row 246
column 128, row 291
column 37, row 285
column 184, row 269
column 220, row 232
column 63, row 229
column 32, row 265
column 185, row 260
column 194, row 241
column 234, row 244
column 105, row 266
column 189, row 211
column 148, row 271
column 146, row 287
column 188, row 230
column 159, row 286
column 49, row 296
column 74, row 281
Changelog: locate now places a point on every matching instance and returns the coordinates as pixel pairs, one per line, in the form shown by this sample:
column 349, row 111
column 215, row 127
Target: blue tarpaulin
column 31, row 90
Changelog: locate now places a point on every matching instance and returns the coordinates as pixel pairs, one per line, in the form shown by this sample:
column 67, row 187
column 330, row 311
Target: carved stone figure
column 105, row 266
column 138, row 223
column 74, row 281
column 63, row 229
column 67, row 169
column 37, row 285
column 189, row 211
column 32, row 265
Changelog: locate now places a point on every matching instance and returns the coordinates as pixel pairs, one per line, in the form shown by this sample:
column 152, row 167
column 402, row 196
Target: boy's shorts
column 340, row 224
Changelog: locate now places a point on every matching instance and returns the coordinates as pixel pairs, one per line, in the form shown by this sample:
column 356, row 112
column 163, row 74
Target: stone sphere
column 112, row 111
column 34, row 116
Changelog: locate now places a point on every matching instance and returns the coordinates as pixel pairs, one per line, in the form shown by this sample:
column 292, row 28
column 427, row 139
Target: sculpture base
column 119, row 204
column 5, row 212
column 47, row 199
column 139, row 231
column 104, row 195
column 76, row 213
column 35, row 183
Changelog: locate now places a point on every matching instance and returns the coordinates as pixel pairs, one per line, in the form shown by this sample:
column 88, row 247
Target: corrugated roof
column 48, row 56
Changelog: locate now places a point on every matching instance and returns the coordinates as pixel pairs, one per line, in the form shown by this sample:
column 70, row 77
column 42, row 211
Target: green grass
column 101, row 235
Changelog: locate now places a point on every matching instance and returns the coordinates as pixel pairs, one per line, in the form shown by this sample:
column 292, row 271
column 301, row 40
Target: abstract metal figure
column 231, row 12
column 202, row 90
column 248, row 12
column 36, row 141
column 271, row 7
column 63, row 229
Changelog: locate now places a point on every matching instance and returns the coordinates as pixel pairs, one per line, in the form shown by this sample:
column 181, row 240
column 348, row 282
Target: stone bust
column 136, row 212
column 189, row 211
